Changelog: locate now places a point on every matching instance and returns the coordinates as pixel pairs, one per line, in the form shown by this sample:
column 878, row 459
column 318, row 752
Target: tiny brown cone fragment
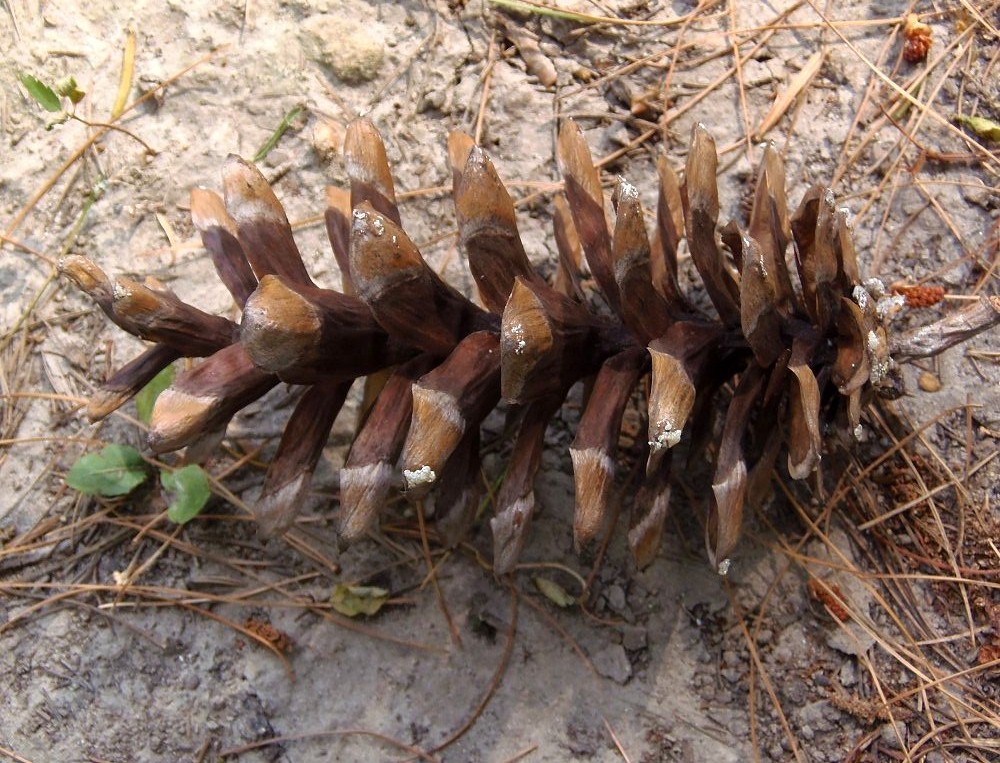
column 305, row 334
column 515, row 503
column 128, row 380
column 447, row 402
column 261, row 225
column 643, row 308
column 219, row 236
column 729, row 483
column 406, row 297
column 487, row 230
column 701, row 212
column 586, row 202
column 547, row 342
column 290, row 473
column 205, row 398
column 369, row 473
column 368, row 169
column 596, row 444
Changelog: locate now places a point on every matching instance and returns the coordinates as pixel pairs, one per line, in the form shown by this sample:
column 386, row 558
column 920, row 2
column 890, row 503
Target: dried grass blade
column 796, row 86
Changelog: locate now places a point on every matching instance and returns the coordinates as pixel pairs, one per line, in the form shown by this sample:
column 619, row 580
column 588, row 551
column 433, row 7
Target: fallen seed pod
column 803, row 348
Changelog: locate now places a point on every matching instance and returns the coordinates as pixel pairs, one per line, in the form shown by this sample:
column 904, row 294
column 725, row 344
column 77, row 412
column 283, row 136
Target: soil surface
column 144, row 647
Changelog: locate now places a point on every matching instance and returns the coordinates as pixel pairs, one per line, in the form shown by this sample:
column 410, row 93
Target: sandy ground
column 670, row 664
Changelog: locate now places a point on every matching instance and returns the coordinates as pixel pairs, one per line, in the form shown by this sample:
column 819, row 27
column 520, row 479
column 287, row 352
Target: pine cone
column 803, row 349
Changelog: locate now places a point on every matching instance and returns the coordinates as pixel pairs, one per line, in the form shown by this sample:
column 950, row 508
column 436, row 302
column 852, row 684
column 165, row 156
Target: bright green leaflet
column 146, row 397
column 190, row 489
column 115, row 470
column 41, row 92
column 354, row 600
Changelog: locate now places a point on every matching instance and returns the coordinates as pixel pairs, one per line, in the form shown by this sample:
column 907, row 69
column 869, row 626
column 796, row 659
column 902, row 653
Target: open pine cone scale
column 803, row 348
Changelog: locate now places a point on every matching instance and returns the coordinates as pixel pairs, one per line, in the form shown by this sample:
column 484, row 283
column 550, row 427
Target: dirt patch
column 222, row 641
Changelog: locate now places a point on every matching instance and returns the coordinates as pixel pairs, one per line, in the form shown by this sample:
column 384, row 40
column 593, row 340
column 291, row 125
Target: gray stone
column 848, row 673
column 633, row 637
column 612, row 662
column 352, row 50
column 616, row 598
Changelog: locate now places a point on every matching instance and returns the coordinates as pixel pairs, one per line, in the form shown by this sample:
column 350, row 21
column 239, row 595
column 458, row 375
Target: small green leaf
column 553, row 592
column 146, row 396
column 191, row 491
column 272, row 141
column 983, row 127
column 67, row 88
column 115, row 470
column 354, row 600
column 41, row 92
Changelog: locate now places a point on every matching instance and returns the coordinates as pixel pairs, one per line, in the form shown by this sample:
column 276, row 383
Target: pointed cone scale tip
column 381, row 252
column 84, row 272
column 105, row 402
column 276, row 511
column 525, row 338
column 593, row 474
column 279, row 325
column 509, row 533
column 248, row 195
column 363, row 492
column 365, row 157
column 209, row 211
column 436, row 428
column 177, row 419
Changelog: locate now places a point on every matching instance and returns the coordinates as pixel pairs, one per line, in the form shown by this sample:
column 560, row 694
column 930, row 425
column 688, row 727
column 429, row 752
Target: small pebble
column 928, row 382
column 612, row 662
